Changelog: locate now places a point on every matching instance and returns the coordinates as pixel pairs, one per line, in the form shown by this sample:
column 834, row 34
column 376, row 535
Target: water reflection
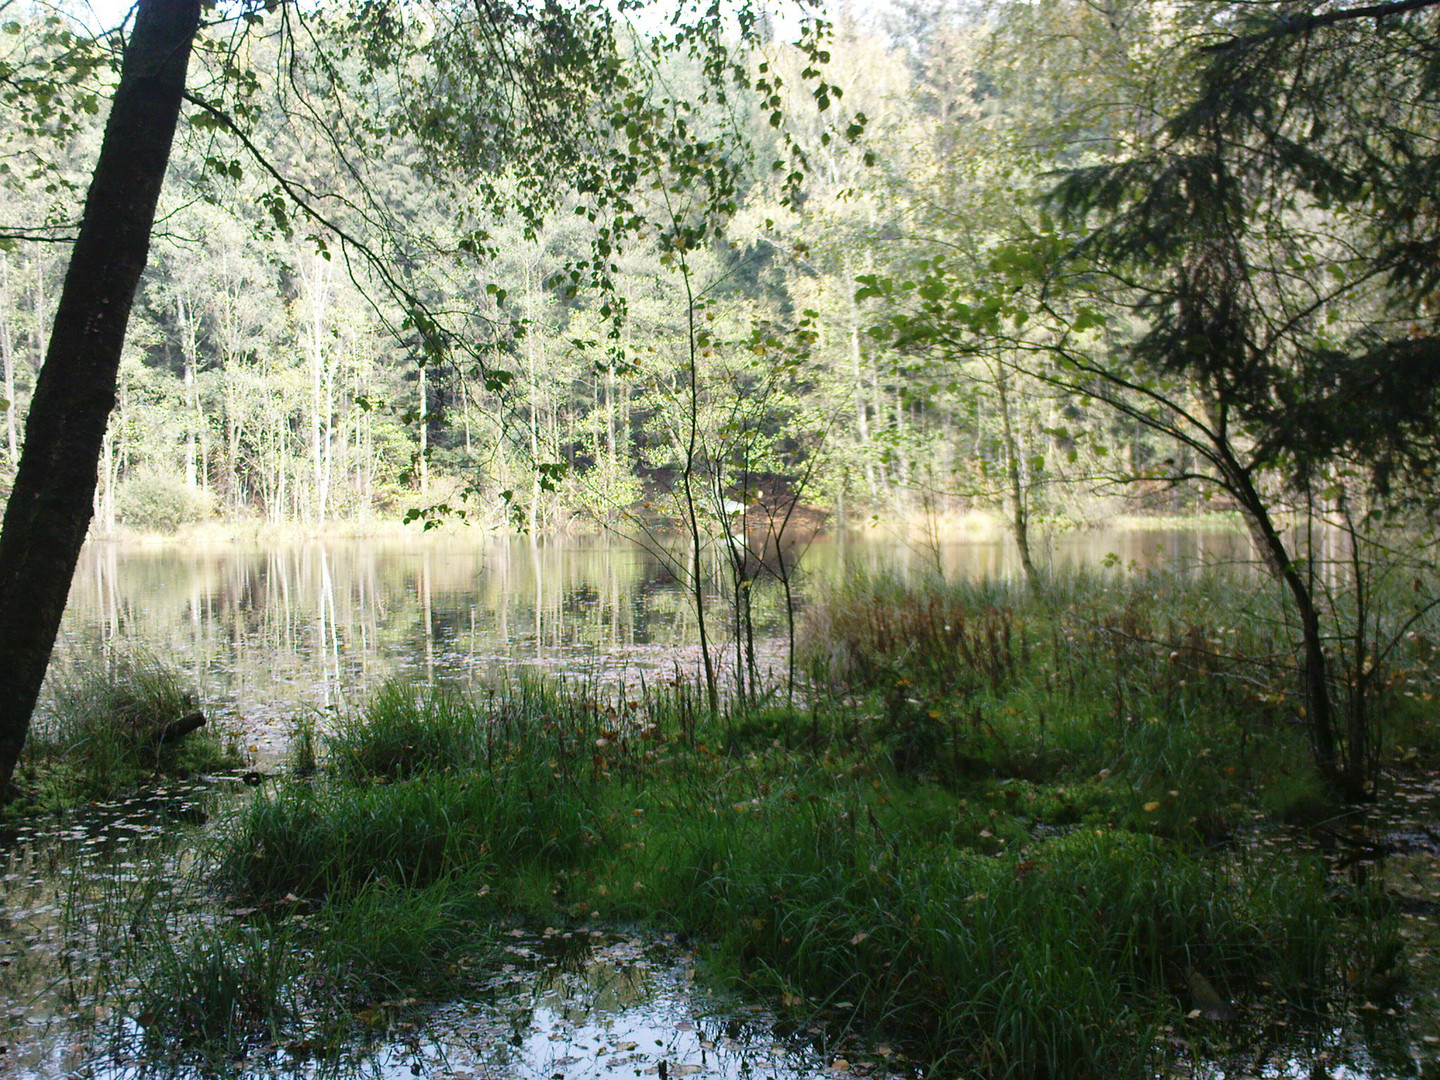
column 611, row 1008
column 272, row 632
column 577, row 1005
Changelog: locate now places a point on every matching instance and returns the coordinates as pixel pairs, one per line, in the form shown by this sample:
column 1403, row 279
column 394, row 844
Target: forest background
column 269, row 381
column 538, row 267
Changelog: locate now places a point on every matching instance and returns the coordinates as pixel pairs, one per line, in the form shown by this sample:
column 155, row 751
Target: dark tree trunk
column 1314, row 678
column 49, row 508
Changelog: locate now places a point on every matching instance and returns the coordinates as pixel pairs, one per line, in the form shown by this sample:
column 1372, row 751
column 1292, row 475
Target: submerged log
column 178, row 729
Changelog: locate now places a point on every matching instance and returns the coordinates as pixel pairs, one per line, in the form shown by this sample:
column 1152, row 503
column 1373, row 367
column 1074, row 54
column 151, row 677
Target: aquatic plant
column 105, row 731
column 1025, row 867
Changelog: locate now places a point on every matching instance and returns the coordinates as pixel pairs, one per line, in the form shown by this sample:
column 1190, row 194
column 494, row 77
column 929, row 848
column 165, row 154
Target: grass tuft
column 99, row 733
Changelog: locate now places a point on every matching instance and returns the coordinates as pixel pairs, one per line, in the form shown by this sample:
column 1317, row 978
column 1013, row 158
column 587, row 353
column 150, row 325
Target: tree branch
column 1302, row 24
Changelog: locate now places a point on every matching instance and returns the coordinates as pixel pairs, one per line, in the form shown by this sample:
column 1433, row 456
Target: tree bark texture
column 50, row 506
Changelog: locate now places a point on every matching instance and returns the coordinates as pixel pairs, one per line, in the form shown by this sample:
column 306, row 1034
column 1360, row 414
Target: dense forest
column 268, row 374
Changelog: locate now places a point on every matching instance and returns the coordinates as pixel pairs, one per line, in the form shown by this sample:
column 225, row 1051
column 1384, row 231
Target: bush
column 160, row 504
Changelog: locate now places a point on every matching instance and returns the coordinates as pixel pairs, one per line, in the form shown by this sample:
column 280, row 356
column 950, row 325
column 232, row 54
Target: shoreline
column 970, row 526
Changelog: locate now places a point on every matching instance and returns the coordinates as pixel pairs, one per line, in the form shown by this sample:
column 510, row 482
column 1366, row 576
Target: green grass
column 217, row 992
column 98, row 732
column 980, row 944
column 1016, row 846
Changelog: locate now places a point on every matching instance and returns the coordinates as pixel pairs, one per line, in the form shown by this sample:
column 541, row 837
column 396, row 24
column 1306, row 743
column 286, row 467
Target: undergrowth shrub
column 161, row 504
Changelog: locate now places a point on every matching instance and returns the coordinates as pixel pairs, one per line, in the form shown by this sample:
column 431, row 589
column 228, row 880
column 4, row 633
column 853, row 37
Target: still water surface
column 267, row 634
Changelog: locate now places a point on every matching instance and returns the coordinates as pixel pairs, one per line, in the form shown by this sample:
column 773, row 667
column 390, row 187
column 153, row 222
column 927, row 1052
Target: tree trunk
column 1314, row 678
column 49, row 509
column 1018, row 490
column 7, row 358
column 317, row 283
column 184, row 318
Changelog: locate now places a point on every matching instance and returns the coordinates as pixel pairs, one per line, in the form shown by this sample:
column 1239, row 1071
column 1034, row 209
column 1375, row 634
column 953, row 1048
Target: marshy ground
column 996, row 834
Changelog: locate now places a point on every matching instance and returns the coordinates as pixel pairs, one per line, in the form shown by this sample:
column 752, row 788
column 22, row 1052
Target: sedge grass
column 99, row 733
column 1011, row 865
column 991, row 951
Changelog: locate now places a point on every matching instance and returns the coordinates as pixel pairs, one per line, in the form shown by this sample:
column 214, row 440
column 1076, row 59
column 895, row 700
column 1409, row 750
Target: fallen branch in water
column 178, row 729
